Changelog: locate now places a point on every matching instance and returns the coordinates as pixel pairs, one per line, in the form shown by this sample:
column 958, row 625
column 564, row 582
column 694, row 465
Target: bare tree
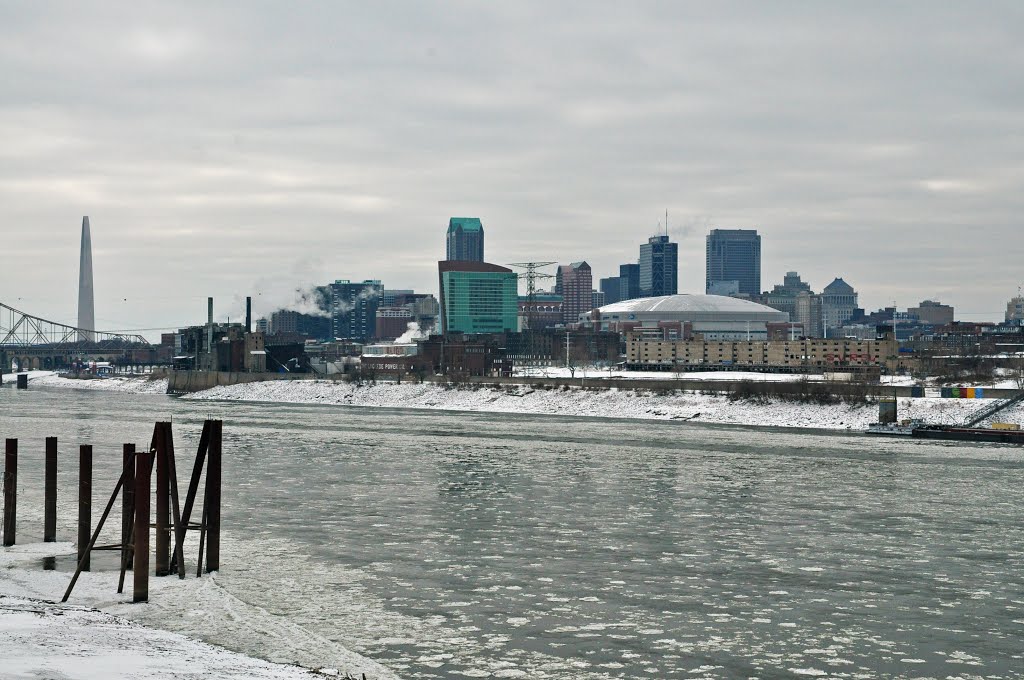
column 1017, row 370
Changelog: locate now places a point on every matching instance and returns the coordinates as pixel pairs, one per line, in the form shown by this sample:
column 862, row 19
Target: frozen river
column 448, row 545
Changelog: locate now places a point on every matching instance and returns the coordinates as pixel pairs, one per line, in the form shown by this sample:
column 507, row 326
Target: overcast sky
column 229, row 149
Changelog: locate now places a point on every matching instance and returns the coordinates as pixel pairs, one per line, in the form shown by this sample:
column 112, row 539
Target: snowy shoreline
column 104, row 635
column 638, row 403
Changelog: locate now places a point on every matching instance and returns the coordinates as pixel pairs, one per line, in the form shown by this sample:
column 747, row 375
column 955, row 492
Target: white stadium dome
column 717, row 317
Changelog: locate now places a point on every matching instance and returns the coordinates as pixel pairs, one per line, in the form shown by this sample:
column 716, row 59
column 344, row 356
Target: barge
column 969, row 434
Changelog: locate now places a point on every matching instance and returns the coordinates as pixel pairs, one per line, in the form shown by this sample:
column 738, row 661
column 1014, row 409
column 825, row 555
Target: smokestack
column 248, row 314
column 209, row 333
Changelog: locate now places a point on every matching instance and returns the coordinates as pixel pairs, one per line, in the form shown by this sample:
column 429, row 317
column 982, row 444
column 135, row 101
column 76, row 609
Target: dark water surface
column 475, row 545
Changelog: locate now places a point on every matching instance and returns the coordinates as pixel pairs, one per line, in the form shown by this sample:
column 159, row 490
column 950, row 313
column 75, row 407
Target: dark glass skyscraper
column 659, row 267
column 734, row 255
column 354, row 309
column 465, row 239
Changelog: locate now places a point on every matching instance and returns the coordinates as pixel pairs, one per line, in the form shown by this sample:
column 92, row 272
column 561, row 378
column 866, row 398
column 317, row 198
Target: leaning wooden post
column 140, row 547
column 163, row 504
column 190, row 499
column 127, row 503
column 213, row 483
column 95, row 535
column 10, row 491
column 50, row 492
column 84, row 504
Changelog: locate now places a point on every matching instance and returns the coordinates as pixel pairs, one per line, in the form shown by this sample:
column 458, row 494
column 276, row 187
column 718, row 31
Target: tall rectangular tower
column 734, row 255
column 659, row 267
column 576, row 283
column 86, row 310
column 354, row 309
column 465, row 239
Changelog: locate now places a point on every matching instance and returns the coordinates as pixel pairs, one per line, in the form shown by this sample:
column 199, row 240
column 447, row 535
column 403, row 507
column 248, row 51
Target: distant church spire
column 86, row 312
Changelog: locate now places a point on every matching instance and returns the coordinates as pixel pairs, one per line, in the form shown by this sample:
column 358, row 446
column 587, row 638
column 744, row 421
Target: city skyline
column 311, row 156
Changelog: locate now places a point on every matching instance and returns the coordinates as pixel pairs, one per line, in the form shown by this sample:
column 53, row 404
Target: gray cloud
column 217, row 147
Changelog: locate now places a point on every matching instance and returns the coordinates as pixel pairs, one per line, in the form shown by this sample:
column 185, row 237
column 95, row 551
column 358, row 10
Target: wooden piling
column 84, row 504
column 163, row 501
column 96, row 534
column 213, row 483
column 10, row 491
column 50, row 492
column 127, row 503
column 140, row 573
column 179, row 529
column 190, row 499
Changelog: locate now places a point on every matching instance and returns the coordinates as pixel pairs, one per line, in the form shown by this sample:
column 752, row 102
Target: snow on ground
column 128, row 384
column 11, row 378
column 41, row 639
column 591, row 372
column 609, row 403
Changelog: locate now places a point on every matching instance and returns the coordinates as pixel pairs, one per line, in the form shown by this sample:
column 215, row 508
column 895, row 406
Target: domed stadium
column 716, row 317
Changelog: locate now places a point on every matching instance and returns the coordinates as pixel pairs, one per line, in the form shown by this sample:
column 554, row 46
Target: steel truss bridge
column 39, row 343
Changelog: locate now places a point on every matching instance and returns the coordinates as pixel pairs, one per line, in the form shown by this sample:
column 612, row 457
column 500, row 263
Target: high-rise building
column 86, row 310
column 625, row 286
column 610, row 288
column 477, row 297
column 1015, row 309
column 932, row 312
column 575, row 283
column 629, row 281
column 838, row 302
column 659, row 267
column 354, row 309
column 391, row 295
column 286, row 321
column 465, row 239
column 733, row 255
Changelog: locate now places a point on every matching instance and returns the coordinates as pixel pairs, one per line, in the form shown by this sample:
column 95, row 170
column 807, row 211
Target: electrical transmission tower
column 531, row 272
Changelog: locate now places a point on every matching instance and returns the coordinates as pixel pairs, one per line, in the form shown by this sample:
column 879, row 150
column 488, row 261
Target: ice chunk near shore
column 39, row 638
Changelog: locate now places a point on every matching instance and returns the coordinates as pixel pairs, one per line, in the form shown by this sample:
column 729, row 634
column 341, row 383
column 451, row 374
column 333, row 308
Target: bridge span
column 36, row 343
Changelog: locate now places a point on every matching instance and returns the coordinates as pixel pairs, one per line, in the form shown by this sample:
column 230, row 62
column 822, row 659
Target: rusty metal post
column 84, row 504
column 10, row 492
column 163, row 502
column 213, row 484
column 140, row 547
column 127, row 503
column 50, row 492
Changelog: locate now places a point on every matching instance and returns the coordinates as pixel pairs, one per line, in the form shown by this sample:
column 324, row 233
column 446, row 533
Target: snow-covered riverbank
column 639, row 403
column 102, row 635
column 126, row 384
column 609, row 403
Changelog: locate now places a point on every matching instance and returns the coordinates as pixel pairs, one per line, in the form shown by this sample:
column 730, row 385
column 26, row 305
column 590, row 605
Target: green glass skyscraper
column 478, row 297
column 465, row 239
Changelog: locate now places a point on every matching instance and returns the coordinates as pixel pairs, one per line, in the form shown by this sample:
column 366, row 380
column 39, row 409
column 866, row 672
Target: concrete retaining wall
column 184, row 382
column 718, row 386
